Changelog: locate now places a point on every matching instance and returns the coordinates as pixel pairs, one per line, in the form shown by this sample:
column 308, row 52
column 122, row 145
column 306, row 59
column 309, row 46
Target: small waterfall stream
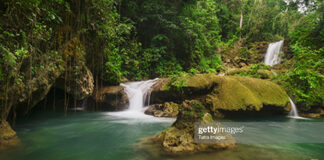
column 273, row 56
column 138, row 94
column 293, row 111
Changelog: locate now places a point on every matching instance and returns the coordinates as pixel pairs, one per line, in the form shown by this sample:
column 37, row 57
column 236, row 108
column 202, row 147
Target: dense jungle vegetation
column 138, row 39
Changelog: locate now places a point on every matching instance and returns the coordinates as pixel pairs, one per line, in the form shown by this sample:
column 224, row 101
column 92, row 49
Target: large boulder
column 224, row 94
column 247, row 94
column 179, row 138
column 110, row 98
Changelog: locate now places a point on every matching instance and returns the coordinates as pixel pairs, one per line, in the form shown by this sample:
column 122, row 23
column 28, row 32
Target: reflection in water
column 85, row 136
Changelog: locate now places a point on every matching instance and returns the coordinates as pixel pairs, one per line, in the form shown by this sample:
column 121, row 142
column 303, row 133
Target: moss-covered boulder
column 226, row 93
column 179, row 138
column 167, row 109
column 247, row 94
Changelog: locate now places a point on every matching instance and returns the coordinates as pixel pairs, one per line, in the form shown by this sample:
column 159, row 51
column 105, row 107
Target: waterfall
column 293, row 111
column 273, row 56
column 138, row 94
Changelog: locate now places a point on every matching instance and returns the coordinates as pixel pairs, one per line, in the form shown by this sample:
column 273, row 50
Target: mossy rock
column 261, row 73
column 247, row 94
column 192, row 86
column 179, row 138
column 229, row 93
column 168, row 109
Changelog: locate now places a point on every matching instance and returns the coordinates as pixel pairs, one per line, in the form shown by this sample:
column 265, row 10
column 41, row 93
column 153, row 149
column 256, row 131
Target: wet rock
column 8, row 137
column 161, row 93
column 319, row 113
column 179, row 138
column 111, row 98
column 168, row 109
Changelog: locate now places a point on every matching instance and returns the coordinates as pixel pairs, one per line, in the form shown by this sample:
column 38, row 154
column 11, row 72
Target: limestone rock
column 179, row 138
column 111, row 98
column 8, row 136
column 81, row 84
column 168, row 109
column 160, row 92
column 226, row 93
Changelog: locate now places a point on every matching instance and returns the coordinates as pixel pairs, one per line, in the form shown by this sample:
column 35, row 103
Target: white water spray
column 293, row 111
column 138, row 94
column 273, row 56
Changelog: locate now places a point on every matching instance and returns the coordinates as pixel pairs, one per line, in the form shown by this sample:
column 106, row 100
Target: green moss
column 266, row 91
column 255, row 70
column 171, row 108
column 233, row 95
column 244, row 93
column 179, row 138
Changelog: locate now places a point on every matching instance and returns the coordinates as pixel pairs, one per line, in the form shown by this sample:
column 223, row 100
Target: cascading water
column 138, row 94
column 293, row 111
column 273, row 56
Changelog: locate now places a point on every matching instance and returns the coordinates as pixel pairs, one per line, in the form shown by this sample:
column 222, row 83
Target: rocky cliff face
column 66, row 70
column 40, row 54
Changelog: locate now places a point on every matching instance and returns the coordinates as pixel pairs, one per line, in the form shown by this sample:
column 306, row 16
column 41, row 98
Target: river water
column 103, row 136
